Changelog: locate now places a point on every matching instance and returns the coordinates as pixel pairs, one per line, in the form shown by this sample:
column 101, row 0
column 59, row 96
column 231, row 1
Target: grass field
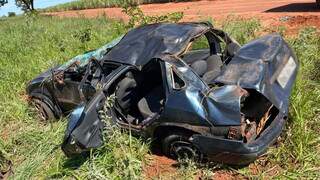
column 85, row 4
column 30, row 45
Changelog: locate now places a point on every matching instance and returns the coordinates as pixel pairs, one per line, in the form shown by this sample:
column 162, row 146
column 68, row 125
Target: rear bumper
column 236, row 152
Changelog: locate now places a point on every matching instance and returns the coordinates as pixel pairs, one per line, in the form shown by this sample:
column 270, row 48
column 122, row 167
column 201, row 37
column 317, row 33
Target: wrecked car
column 188, row 85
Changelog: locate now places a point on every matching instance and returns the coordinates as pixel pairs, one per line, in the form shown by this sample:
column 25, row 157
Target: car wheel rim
column 182, row 149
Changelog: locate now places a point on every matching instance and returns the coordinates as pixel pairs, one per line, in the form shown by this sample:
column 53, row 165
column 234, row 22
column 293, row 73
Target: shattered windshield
column 83, row 59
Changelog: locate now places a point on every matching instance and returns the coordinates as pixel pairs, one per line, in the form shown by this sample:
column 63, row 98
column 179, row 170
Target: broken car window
column 82, row 60
column 177, row 82
column 200, row 43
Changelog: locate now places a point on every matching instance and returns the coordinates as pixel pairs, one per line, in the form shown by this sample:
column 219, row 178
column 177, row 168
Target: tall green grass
column 30, row 45
column 93, row 4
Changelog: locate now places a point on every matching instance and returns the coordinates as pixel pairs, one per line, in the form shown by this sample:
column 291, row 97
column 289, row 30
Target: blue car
column 188, row 86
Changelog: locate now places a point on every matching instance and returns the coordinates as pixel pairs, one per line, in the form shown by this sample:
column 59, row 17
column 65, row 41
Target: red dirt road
column 214, row 9
column 292, row 14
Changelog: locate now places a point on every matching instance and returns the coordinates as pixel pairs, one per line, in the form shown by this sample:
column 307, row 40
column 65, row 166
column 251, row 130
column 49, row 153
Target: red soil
column 292, row 14
column 159, row 166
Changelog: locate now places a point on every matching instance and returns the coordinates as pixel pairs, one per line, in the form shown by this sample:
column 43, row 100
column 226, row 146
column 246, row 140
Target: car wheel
column 177, row 146
column 44, row 112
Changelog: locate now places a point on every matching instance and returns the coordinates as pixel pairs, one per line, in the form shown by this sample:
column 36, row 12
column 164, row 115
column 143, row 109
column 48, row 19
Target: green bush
column 11, row 14
column 138, row 18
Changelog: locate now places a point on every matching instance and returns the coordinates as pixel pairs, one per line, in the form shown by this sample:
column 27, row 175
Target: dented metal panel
column 217, row 107
column 258, row 65
column 142, row 44
column 223, row 105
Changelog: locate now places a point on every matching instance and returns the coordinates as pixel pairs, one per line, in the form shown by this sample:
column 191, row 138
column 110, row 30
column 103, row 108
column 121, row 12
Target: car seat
column 152, row 102
column 200, row 67
column 126, row 94
column 214, row 64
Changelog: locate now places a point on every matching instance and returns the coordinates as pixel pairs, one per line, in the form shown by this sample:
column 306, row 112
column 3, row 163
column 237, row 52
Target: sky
column 11, row 7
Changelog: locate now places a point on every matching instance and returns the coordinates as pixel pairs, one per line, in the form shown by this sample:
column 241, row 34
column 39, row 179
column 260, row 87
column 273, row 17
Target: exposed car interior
column 205, row 57
column 257, row 114
column 76, row 84
column 139, row 94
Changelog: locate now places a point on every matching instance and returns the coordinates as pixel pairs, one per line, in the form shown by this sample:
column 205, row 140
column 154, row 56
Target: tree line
column 25, row 5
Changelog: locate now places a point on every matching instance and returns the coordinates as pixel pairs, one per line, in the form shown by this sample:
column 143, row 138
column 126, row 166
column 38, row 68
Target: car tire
column 45, row 113
column 177, row 146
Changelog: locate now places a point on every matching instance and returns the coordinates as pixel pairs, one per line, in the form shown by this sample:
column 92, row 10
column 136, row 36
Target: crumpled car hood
column 267, row 65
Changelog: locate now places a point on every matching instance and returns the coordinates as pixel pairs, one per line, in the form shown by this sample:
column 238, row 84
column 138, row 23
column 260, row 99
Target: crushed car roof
column 142, row 44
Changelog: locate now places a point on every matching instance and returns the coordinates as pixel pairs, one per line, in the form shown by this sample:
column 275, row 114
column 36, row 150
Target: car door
column 185, row 93
column 195, row 103
column 85, row 128
column 66, row 89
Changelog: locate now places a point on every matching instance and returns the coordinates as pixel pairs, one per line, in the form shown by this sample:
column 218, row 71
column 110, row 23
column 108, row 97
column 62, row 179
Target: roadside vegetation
column 29, row 45
column 297, row 153
column 30, row 148
column 93, row 4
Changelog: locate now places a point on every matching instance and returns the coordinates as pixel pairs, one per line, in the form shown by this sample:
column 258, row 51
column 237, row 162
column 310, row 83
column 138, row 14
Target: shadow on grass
column 296, row 7
column 75, row 162
column 5, row 167
column 69, row 166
